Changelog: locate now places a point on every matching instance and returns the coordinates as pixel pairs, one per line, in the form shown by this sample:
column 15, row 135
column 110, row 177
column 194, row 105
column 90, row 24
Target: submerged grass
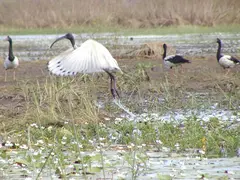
column 59, row 149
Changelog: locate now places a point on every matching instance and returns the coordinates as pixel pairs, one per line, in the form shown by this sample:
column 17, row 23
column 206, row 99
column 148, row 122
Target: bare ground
column 204, row 74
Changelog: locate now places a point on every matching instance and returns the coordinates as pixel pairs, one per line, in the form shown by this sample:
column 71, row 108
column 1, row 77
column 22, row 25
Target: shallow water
column 158, row 164
column 36, row 47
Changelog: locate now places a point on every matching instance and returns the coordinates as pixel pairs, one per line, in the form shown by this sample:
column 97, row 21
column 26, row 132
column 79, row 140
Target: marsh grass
column 65, row 133
column 56, row 148
column 136, row 14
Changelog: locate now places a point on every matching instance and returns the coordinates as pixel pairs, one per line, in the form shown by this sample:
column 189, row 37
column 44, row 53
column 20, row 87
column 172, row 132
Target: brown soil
column 203, row 75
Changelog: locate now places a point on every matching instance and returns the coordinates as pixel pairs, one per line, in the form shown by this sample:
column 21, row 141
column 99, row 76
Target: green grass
column 63, row 149
column 63, row 132
column 184, row 29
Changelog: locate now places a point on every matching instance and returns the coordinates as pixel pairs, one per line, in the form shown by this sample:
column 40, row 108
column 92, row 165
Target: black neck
column 72, row 40
column 10, row 55
column 219, row 51
column 164, row 51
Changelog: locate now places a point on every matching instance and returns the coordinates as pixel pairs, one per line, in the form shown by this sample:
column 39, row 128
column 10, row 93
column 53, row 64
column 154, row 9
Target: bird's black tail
column 186, row 61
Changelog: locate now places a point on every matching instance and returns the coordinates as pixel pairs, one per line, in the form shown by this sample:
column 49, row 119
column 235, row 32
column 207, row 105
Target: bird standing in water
column 11, row 61
column 90, row 57
column 225, row 61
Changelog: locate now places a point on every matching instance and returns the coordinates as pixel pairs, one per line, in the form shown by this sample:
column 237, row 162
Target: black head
column 164, row 46
column 218, row 40
column 8, row 39
column 68, row 36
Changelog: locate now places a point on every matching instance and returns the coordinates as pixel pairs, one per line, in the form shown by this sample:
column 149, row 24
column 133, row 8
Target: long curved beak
column 58, row 39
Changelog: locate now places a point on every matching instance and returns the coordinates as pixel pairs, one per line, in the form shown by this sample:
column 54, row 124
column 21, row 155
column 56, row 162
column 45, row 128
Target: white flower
column 201, row 152
column 101, row 139
column 137, row 132
column 159, row 141
column 39, row 142
column 102, row 125
column 107, row 119
column 165, row 149
column 50, row 128
column 92, row 154
column 74, row 142
column 34, row 125
column 177, row 146
column 64, row 137
column 55, row 161
column 118, row 119
column 28, row 178
column 70, row 166
column 113, row 137
column 35, row 153
column 80, row 145
column 24, row 146
column 91, row 141
column 63, row 142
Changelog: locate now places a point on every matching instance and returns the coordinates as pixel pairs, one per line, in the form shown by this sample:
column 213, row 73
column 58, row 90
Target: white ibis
column 90, row 57
column 172, row 60
column 225, row 61
column 11, row 61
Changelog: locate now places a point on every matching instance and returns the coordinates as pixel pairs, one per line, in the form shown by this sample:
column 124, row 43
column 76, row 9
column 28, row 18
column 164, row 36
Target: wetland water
column 36, row 47
column 163, row 164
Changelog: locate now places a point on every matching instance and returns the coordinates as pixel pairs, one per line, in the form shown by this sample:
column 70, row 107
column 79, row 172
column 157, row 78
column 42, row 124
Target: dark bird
column 225, row 61
column 172, row 60
column 90, row 57
column 11, row 61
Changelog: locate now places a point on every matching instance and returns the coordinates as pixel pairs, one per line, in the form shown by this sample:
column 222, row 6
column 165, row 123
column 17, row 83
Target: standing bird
column 11, row 61
column 90, row 57
column 225, row 61
column 172, row 60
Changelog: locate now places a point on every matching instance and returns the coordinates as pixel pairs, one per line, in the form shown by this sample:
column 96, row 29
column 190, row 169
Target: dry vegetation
column 124, row 13
column 38, row 97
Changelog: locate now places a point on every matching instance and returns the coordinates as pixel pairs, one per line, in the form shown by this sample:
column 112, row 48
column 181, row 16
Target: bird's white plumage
column 168, row 64
column 226, row 62
column 11, row 64
column 90, row 57
column 169, row 57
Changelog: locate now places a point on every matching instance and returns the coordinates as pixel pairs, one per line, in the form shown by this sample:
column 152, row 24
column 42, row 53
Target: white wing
column 90, row 57
column 226, row 61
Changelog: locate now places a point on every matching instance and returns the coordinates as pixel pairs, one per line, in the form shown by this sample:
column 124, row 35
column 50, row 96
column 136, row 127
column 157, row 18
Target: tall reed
column 125, row 13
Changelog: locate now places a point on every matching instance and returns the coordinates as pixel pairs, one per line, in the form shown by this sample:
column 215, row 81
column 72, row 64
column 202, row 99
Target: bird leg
column 113, row 86
column 5, row 79
column 228, row 70
column 14, row 75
